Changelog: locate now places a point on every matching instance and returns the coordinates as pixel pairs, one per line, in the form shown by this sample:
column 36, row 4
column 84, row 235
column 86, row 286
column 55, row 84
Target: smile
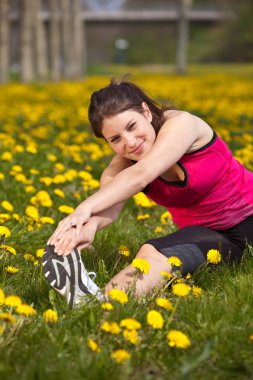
column 138, row 149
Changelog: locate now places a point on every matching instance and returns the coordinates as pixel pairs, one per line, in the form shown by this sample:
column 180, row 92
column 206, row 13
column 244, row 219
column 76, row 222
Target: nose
column 130, row 140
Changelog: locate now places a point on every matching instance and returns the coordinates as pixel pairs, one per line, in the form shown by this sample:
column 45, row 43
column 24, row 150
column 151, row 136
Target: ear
column 147, row 111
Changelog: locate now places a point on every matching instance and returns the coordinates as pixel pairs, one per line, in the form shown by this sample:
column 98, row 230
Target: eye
column 131, row 127
column 115, row 139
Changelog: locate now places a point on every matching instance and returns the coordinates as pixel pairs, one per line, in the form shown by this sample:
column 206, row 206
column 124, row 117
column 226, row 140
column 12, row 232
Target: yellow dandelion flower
column 166, row 275
column 7, row 206
column 166, row 217
column 107, row 306
column 164, row 303
column 59, row 166
column 4, row 218
column 118, row 295
column 175, row 261
column 178, row 339
column 34, row 171
column 123, row 250
column 13, row 300
column 120, row 356
column 158, row 230
column 7, row 317
column 142, row 217
column 65, row 209
column 59, row 178
column 36, row 263
column 85, row 175
column 188, row 276
column 93, row 345
column 2, row 176
column 40, row 252
column 155, row 319
column 11, row 270
column 197, row 291
column 29, row 257
column 26, row 310
column 131, row 336
column 59, row 193
column 32, row 212
column 30, row 189
column 6, row 156
column 2, row 297
column 16, row 217
column 4, row 231
column 251, row 337
column 141, row 264
column 47, row 220
column 46, row 180
column 31, row 148
column 50, row 316
column 51, row 157
column 110, row 327
column 8, row 248
column 181, row 289
column 130, row 324
column 213, row 256
column 142, row 200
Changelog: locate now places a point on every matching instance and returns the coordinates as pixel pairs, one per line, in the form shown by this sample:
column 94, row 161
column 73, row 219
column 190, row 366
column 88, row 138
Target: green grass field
column 49, row 160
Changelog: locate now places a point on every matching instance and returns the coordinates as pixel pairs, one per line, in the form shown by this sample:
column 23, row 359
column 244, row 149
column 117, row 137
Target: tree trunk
column 27, row 39
column 77, row 40
column 4, row 41
column 55, row 40
column 66, row 37
column 183, row 36
column 41, row 45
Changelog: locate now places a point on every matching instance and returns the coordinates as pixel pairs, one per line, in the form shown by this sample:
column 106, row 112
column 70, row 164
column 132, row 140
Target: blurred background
column 69, row 39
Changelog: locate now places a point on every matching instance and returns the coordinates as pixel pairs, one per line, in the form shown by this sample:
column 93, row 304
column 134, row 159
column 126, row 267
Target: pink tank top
column 217, row 191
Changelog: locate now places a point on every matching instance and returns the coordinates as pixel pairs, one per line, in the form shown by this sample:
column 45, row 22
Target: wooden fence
column 52, row 42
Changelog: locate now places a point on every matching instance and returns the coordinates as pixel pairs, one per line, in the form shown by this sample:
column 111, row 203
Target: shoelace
column 92, row 274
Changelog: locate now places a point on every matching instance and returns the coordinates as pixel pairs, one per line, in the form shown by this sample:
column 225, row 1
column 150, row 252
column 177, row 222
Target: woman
column 180, row 163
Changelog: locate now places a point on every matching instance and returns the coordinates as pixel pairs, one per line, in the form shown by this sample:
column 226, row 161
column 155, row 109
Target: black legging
column 191, row 244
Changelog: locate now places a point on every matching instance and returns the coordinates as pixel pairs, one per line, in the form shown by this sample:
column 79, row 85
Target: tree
column 4, row 41
column 55, row 46
column 40, row 45
column 27, row 40
column 183, row 35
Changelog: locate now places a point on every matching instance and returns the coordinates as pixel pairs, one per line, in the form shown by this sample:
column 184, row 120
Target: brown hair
column 118, row 97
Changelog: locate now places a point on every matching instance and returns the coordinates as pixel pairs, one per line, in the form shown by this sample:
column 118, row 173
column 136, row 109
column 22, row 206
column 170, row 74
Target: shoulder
column 185, row 123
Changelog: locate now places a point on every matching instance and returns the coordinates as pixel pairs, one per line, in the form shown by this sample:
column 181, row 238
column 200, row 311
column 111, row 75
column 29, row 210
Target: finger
column 62, row 244
column 62, row 229
column 69, row 248
column 52, row 238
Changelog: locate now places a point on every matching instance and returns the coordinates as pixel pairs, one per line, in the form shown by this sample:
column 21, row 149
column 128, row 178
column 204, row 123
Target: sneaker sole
column 64, row 273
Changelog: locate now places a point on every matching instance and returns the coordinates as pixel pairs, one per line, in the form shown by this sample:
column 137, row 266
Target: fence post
column 4, row 41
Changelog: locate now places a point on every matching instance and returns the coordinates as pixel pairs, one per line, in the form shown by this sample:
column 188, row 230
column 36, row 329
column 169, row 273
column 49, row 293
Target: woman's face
column 130, row 133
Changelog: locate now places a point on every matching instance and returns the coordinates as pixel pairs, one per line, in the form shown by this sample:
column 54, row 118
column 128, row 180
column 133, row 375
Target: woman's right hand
column 70, row 240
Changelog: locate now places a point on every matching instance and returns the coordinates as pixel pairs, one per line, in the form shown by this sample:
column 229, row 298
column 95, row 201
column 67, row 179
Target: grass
column 52, row 119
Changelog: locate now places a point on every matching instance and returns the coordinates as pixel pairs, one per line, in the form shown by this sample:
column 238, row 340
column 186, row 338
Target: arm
column 176, row 137
column 99, row 221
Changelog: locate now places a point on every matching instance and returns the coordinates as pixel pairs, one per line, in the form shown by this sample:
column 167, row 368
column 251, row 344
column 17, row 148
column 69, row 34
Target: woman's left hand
column 76, row 219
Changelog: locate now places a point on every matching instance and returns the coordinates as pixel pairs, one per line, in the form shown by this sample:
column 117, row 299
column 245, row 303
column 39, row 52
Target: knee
column 146, row 251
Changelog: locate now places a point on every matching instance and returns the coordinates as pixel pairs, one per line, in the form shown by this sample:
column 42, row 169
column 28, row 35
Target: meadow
column 49, row 163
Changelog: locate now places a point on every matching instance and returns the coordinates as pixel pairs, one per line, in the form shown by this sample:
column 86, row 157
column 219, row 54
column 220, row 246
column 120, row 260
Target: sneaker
column 68, row 276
